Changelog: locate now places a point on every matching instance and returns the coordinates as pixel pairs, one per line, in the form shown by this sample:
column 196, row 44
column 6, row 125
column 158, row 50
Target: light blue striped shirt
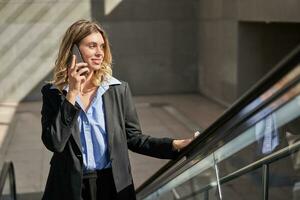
column 93, row 135
column 94, row 138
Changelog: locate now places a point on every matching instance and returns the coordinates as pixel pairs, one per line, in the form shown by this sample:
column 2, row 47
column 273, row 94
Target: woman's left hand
column 180, row 144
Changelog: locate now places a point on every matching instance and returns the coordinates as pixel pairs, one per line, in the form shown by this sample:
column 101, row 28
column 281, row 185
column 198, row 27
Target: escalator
column 250, row 152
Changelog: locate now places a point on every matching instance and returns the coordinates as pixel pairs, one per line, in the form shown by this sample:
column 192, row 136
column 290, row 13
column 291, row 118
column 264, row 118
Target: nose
column 99, row 51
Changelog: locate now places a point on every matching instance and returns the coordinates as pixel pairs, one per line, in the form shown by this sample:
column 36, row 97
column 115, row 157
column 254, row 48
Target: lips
column 97, row 61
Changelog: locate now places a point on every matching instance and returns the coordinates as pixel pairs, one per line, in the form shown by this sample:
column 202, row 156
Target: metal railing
column 8, row 182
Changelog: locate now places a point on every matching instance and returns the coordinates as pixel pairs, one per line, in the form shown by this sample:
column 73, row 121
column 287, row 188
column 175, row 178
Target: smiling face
column 92, row 50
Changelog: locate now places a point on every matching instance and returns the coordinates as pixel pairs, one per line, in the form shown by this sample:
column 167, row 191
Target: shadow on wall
column 35, row 93
column 154, row 44
column 7, row 74
column 32, row 28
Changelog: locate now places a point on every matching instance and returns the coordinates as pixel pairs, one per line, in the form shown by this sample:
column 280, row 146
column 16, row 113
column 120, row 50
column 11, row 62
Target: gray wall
column 233, row 53
column 217, row 55
column 269, row 10
column 29, row 37
column 154, row 44
column 261, row 47
column 218, row 48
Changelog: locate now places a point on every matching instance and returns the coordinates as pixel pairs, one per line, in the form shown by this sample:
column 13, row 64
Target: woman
column 89, row 121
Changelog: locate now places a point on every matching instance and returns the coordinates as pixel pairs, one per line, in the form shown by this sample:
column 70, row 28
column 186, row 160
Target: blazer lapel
column 108, row 100
column 76, row 131
column 76, row 134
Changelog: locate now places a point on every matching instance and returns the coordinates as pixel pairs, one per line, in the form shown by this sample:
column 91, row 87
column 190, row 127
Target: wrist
column 71, row 96
column 72, row 93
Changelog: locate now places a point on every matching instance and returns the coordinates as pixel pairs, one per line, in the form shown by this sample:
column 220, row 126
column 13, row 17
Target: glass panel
column 246, row 187
column 277, row 132
column 284, row 180
column 6, row 193
column 265, row 137
column 192, row 182
column 199, row 186
column 283, row 82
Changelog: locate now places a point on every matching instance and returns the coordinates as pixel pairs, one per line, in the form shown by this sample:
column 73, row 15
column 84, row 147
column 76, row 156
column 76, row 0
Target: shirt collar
column 111, row 81
column 106, row 83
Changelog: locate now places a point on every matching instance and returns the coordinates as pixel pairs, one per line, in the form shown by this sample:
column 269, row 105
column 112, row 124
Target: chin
column 95, row 67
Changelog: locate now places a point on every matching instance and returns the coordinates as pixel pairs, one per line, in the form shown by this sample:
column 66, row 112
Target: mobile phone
column 76, row 52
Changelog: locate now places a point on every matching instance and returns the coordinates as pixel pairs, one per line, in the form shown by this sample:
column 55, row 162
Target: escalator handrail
column 8, row 170
column 281, row 69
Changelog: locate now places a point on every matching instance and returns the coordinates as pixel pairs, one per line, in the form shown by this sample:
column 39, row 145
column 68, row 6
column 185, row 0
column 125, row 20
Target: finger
column 73, row 63
column 78, row 66
column 82, row 64
column 81, row 79
column 196, row 134
column 82, row 71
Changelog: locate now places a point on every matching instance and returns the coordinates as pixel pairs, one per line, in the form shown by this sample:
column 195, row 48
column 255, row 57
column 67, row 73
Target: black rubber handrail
column 281, row 69
column 8, row 171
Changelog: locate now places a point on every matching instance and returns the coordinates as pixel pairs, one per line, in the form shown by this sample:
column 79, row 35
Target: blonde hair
column 74, row 34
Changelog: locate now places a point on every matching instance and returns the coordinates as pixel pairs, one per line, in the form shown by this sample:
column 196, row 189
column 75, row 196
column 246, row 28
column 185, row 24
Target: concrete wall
column 234, row 54
column 159, row 46
column 269, row 10
column 30, row 31
column 154, row 44
column 218, row 31
column 261, row 47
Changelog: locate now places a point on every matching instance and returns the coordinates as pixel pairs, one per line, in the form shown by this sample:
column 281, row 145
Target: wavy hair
column 74, row 34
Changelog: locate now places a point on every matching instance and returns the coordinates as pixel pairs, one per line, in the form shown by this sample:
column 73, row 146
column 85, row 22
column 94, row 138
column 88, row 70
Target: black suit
column 60, row 134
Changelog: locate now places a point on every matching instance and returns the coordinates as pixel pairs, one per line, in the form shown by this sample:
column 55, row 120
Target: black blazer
column 60, row 134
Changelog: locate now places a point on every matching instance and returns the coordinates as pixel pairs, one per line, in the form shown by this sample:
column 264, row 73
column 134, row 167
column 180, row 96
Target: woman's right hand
column 75, row 79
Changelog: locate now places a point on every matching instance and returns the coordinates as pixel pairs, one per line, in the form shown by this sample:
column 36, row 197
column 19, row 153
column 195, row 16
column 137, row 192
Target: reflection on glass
column 294, row 74
column 277, row 132
column 266, row 133
column 263, row 138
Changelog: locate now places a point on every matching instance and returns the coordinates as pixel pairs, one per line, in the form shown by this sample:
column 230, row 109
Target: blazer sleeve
column 58, row 117
column 144, row 144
